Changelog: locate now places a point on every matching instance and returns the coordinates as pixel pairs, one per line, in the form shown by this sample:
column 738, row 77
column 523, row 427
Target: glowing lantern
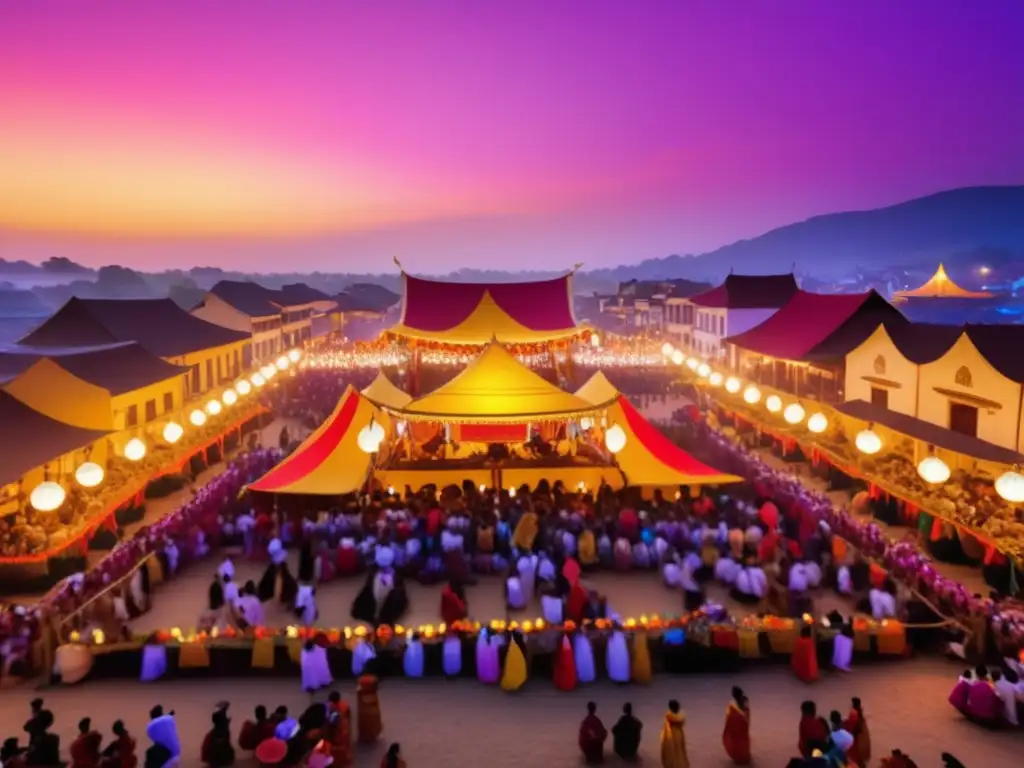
column 173, row 432
column 47, row 496
column 615, row 438
column 268, row 372
column 243, row 387
column 400, row 428
column 197, row 417
column 752, row 395
column 369, row 439
column 703, row 370
column 933, row 470
column 595, row 341
column 868, row 441
column 818, row 423
column 715, row 379
column 294, row 355
column 213, row 407
column 230, row 397
column 482, row 487
column 667, row 349
column 135, row 449
column 89, row 475
column 257, row 380
column 1010, row 486
column 282, row 363
column 773, row 403
column 794, row 413
column 378, row 432
column 512, row 493
column 678, row 357
column 732, row 385
column 692, row 363
column 586, row 423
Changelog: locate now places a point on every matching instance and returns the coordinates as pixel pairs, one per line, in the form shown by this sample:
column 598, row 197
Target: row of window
column 131, row 418
column 297, row 315
column 262, row 326
column 711, row 323
column 682, row 314
column 963, row 419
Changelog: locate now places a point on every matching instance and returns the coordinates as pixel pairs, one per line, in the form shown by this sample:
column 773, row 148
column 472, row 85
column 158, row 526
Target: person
column 883, row 601
column 962, row 689
column 551, row 607
column 120, row 752
column 592, row 736
column 899, row 760
column 860, row 753
column 804, row 660
column 983, row 703
column 841, row 740
column 339, row 730
column 673, row 738
column 453, row 603
column 1007, row 693
column 626, row 734
column 217, row 750
column 813, row 733
column 12, row 754
column 751, row 584
column 162, row 730
column 617, row 657
column 736, row 736
column 85, row 750
column 514, row 675
column 393, row 758
column 255, row 732
column 383, row 599
column 368, row 714
column 43, row 746
column 515, row 596
column 412, row 659
column 565, row 666
column 842, row 648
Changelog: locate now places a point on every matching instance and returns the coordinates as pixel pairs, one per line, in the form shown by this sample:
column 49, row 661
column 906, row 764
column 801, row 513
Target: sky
column 277, row 136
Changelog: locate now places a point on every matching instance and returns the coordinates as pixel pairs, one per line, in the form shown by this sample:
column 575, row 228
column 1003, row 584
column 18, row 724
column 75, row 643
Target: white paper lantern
column 586, row 423
column 294, row 355
column 678, row 358
column 933, row 470
column 367, row 439
column 752, row 395
column 794, row 413
column 213, row 407
column 173, row 431
column 268, row 372
column 47, row 496
column 615, row 438
column 283, row 362
column 90, row 474
column 868, row 441
column 667, row 349
column 197, row 417
column 818, row 423
column 595, row 341
column 1010, row 486
column 230, row 397
column 243, row 387
column 257, row 380
column 773, row 403
column 715, row 379
column 703, row 370
column 378, row 432
column 512, row 492
column 732, row 385
column 692, row 363
column 400, row 428
column 135, row 449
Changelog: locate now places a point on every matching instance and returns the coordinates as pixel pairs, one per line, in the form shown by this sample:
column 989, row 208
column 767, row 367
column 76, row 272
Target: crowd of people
column 993, row 698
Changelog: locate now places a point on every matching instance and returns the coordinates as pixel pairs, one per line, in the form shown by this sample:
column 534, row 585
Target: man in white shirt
column 551, row 608
column 883, row 604
column 1007, row 692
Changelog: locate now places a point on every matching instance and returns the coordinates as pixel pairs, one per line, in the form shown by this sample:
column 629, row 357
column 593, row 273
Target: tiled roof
column 749, row 292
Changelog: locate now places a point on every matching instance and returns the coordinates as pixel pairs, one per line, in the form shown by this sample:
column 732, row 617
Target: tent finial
column 399, row 265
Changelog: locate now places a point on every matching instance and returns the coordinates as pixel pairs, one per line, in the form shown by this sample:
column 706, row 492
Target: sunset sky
column 335, row 135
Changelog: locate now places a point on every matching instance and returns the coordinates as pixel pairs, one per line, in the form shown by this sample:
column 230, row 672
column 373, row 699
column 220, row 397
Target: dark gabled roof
column 117, row 368
column 160, row 326
column 749, row 292
column 999, row 344
column 35, row 439
column 349, row 303
column 250, row 299
column 300, row 293
column 924, row 343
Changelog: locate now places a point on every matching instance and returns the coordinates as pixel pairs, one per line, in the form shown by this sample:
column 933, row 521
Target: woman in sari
column 736, row 737
column 453, row 603
column 592, row 736
column 673, row 738
column 860, row 753
column 805, row 657
column 339, row 730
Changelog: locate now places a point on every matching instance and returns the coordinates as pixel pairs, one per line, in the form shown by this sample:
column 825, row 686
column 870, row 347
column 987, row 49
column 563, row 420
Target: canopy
column 382, row 392
column 597, row 390
column 940, row 286
column 496, row 388
column 51, row 390
column 329, row 462
column 476, row 313
column 649, row 458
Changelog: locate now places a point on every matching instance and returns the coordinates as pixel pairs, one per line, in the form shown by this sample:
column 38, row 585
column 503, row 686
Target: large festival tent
column 329, row 462
column 940, row 286
column 383, row 393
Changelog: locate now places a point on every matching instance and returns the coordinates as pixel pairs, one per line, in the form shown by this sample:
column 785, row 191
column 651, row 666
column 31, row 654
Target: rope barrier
column 108, row 588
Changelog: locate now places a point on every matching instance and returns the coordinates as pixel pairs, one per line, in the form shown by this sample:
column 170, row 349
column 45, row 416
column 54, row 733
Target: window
column 168, row 402
column 721, row 327
column 220, row 369
column 209, row 373
column 880, row 397
column 963, row 419
column 131, row 417
column 194, row 386
column 151, row 409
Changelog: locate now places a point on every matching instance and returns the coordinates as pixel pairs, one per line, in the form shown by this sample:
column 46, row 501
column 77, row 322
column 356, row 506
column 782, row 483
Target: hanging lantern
column 512, row 492
column 615, row 438
column 268, row 372
column 294, row 355
column 213, row 407
column 1010, row 486
column 773, row 403
column 732, row 385
column 378, row 432
column 243, row 387
column 818, row 423
column 794, row 413
column 595, row 341
column 586, row 423
column 933, row 469
column 135, row 449
column 368, row 439
column 47, row 496
column 667, row 349
column 400, row 428
column 173, row 431
column 197, row 417
column 282, row 363
column 752, row 395
column 90, row 474
column 230, row 397
column 715, row 379
column 868, row 441
column 692, row 363
column 678, row 358
column 703, row 370
column 257, row 379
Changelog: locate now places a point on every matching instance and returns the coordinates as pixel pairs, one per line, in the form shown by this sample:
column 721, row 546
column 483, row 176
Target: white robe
column 305, row 601
column 842, row 652
column 844, row 583
column 316, row 672
column 583, row 655
column 451, row 656
column 883, row 605
column 752, row 581
column 670, row 574
column 527, row 568
column 516, row 598
column 617, row 658
column 726, row 570
column 546, row 570
column 227, row 568
column 361, row 654
column 813, row 573
column 412, row 659
column 797, row 578
column 551, row 609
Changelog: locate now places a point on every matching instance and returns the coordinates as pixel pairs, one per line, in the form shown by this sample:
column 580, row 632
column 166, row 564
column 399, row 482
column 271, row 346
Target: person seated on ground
column 255, row 732
column 626, row 735
column 552, row 607
column 85, row 750
column 217, row 750
column 453, row 603
column 983, row 703
column 962, row 689
column 751, row 584
column 883, row 601
column 726, row 570
column 120, row 752
column 393, row 757
column 814, row 731
column 592, row 736
column 1007, row 693
column 43, row 746
column 840, row 739
column 12, row 755
column 162, row 730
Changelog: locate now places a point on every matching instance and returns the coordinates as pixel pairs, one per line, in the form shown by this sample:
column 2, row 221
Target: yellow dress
column 673, row 742
column 514, row 674
column 526, row 532
column 640, row 663
column 587, row 548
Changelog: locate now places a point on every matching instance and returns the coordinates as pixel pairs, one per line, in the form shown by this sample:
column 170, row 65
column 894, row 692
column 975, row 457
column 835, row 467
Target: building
column 212, row 354
column 740, row 303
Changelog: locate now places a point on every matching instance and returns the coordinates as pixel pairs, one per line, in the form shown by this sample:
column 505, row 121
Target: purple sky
column 534, row 134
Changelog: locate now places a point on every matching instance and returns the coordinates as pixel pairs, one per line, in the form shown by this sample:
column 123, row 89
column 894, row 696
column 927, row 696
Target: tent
column 53, row 391
column 496, row 389
column 382, row 392
column 329, row 462
column 597, row 390
column 941, row 286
